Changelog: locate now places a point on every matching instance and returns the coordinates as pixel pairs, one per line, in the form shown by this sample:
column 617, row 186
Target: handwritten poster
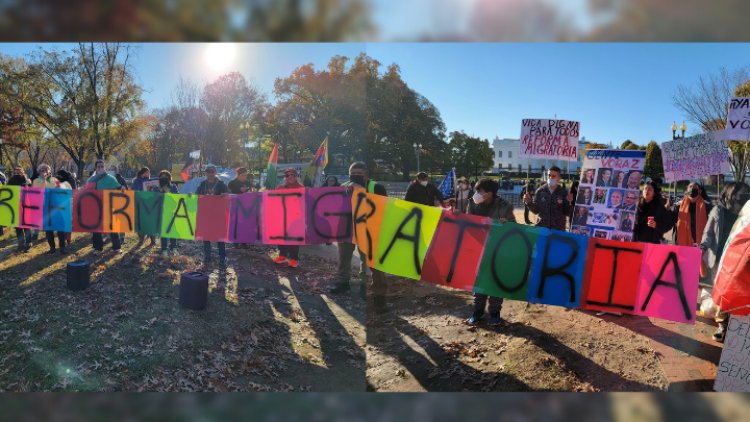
column 549, row 139
column 608, row 194
column 738, row 120
column 733, row 373
column 694, row 157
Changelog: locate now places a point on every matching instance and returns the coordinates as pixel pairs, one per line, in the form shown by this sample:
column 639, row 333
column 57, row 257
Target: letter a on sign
column 668, row 283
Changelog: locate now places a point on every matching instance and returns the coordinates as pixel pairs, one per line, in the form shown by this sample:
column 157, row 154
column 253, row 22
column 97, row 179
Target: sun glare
column 220, row 56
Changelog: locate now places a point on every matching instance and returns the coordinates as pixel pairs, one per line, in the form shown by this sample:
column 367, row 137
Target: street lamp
column 674, row 130
column 418, row 150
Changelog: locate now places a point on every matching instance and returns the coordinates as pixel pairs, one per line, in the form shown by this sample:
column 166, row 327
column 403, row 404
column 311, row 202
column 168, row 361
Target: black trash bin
column 77, row 273
column 194, row 290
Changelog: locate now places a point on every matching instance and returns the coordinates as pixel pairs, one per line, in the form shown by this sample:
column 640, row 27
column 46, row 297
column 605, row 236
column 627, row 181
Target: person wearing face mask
column 166, row 186
column 463, row 194
column 486, row 203
column 101, row 180
column 551, row 202
column 689, row 217
column 720, row 221
column 47, row 180
column 213, row 186
column 359, row 176
column 423, row 192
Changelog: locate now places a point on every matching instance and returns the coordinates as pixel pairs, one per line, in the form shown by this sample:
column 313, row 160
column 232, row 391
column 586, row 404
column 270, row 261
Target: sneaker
column 719, row 334
column 294, row 263
column 281, row 259
column 51, row 251
column 163, row 252
column 117, row 251
column 494, row 320
column 475, row 318
column 174, row 252
column 600, row 313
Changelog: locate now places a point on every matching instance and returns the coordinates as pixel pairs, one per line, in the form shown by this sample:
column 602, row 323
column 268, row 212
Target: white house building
column 507, row 158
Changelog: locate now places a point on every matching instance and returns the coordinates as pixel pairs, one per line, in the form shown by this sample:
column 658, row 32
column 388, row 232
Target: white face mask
column 423, row 182
column 478, row 198
column 552, row 182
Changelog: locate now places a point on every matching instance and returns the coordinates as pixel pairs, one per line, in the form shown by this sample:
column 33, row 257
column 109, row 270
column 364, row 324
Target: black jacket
column 425, row 195
column 655, row 208
column 551, row 207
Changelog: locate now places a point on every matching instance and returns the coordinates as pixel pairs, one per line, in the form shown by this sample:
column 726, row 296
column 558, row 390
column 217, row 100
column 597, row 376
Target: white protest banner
column 608, row 194
column 549, row 139
column 698, row 156
column 733, row 373
column 738, row 120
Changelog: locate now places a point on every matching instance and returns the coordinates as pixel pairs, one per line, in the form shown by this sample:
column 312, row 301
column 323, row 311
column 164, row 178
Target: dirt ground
column 266, row 328
column 421, row 343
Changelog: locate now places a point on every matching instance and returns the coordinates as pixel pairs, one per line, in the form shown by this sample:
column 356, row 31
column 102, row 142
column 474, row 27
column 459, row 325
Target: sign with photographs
column 608, row 194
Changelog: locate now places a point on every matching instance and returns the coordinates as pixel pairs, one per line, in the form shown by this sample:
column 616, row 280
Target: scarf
column 684, row 235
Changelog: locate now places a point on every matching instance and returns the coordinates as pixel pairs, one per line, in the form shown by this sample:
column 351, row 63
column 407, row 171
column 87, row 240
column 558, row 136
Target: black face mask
column 694, row 192
column 163, row 181
column 360, row 180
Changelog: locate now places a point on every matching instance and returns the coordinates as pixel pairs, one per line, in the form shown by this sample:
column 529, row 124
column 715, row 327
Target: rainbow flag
column 272, row 173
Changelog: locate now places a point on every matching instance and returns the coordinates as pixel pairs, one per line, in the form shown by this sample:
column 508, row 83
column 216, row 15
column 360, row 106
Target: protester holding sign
column 101, row 180
column 213, row 186
column 359, row 176
column 551, row 202
column 166, row 186
column 24, row 235
column 46, row 180
column 486, row 203
column 653, row 219
column 289, row 254
column 720, row 221
column 143, row 175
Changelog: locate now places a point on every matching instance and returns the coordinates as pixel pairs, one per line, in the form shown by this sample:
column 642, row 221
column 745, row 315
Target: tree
column 367, row 115
column 471, row 155
column 653, row 166
column 229, row 102
column 707, row 104
column 85, row 100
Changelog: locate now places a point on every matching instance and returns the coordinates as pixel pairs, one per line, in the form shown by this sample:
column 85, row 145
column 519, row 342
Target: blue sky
column 617, row 91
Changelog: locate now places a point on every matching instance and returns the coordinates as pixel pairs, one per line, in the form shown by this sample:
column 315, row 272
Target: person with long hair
column 653, row 219
column 720, row 222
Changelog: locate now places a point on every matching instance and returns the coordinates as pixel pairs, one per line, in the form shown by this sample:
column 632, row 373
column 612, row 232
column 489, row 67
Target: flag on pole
column 195, row 154
column 448, row 185
column 272, row 168
column 314, row 172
